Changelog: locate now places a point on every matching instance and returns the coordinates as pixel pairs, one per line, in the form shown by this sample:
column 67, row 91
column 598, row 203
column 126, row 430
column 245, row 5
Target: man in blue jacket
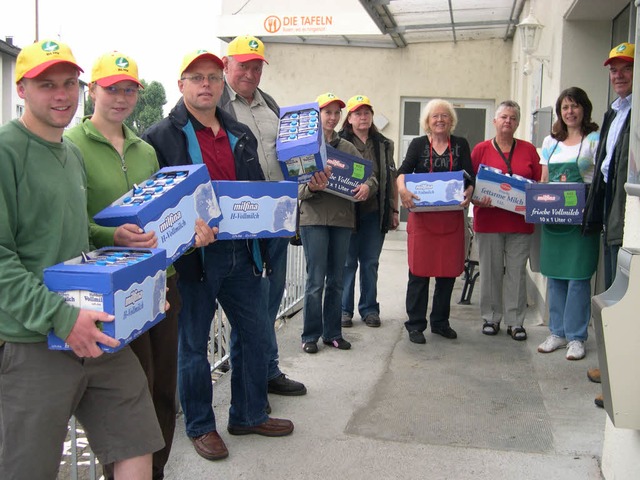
column 196, row 131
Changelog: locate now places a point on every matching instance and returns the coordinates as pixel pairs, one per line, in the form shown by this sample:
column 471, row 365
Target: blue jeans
column 325, row 250
column 272, row 290
column 365, row 247
column 229, row 277
column 569, row 308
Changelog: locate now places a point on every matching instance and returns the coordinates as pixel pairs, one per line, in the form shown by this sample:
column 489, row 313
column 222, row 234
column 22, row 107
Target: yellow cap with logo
column 625, row 51
column 114, row 67
column 357, row 101
column 245, row 48
column 327, row 98
column 191, row 57
column 37, row 57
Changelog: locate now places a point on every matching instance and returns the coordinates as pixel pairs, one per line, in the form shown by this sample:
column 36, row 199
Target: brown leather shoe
column 273, row 427
column 210, row 446
column 594, row 375
column 599, row 401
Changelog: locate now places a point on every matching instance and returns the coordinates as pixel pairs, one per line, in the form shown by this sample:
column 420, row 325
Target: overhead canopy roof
column 418, row 21
column 396, row 23
column 402, row 22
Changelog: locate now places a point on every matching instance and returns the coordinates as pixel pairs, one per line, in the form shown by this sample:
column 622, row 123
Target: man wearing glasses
column 196, row 131
column 606, row 202
column 245, row 102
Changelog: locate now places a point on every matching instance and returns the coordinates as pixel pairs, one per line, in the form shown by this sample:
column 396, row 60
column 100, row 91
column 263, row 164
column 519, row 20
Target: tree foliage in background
column 148, row 109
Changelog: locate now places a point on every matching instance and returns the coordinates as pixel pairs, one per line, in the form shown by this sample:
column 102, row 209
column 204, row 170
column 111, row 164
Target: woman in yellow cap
column 326, row 221
column 377, row 215
column 116, row 159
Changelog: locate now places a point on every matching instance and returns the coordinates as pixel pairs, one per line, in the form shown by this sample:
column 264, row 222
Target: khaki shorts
column 40, row 389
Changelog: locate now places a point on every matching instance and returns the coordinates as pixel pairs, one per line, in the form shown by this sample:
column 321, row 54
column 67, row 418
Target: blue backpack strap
column 196, row 157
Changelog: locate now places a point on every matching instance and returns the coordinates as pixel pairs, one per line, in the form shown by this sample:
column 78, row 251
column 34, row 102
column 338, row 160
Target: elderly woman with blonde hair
column 435, row 239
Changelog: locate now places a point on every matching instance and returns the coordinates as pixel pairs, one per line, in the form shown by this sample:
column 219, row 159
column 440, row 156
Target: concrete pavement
column 477, row 407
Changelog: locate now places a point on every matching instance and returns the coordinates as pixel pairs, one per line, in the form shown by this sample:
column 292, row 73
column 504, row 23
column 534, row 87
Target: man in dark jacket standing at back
column 607, row 198
column 245, row 102
column 196, row 131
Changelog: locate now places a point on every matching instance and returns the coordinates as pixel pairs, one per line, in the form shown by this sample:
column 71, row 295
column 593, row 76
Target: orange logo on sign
column 272, row 24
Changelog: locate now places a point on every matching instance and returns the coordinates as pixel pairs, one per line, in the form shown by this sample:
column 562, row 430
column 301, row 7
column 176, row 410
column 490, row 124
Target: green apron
column 565, row 253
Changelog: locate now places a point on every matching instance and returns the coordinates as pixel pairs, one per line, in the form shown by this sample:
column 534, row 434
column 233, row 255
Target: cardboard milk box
column 168, row 203
column 438, row 191
column 506, row 191
column 256, row 209
column 347, row 172
column 300, row 146
column 128, row 283
column 558, row 202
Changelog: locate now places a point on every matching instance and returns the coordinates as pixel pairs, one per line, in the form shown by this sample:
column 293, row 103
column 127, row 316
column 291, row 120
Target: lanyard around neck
column 507, row 161
column 431, row 156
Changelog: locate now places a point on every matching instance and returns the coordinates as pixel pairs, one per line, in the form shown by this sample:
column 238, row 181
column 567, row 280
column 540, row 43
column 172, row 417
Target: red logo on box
column 505, row 186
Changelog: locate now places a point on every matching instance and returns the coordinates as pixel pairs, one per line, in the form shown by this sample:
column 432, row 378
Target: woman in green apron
column 567, row 258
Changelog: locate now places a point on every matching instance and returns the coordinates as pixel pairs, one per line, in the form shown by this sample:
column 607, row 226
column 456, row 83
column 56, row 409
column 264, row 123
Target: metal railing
column 79, row 462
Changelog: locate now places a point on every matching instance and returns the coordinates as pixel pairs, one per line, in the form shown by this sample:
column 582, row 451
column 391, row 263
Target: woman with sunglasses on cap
column 326, row 221
column 567, row 257
column 435, row 239
column 375, row 216
column 116, row 159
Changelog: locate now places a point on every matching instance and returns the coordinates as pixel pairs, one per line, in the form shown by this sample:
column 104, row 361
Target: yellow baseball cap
column 357, row 101
column 114, row 67
column 191, row 57
column 37, row 57
column 327, row 98
column 245, row 48
column 625, row 51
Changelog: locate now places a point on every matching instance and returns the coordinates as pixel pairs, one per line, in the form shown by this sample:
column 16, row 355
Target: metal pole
column 37, row 28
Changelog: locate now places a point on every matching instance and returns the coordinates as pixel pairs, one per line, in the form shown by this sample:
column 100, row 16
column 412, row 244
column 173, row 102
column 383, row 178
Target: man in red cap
column 244, row 101
column 605, row 208
column 43, row 221
column 197, row 131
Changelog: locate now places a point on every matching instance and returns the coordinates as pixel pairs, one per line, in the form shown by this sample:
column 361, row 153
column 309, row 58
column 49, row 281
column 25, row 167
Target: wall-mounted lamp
column 530, row 30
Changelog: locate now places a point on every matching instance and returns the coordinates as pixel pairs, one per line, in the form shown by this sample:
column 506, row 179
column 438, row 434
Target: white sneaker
column 575, row 350
column 553, row 342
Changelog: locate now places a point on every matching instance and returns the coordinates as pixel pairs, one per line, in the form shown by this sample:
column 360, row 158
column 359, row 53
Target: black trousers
column 418, row 301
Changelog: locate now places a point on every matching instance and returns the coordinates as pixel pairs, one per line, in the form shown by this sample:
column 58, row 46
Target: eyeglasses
column 126, row 91
column 199, row 79
column 441, row 116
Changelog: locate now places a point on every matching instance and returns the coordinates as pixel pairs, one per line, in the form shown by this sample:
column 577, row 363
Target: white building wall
column 471, row 69
column 577, row 50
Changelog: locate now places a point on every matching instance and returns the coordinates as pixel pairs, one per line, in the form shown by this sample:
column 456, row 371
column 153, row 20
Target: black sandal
column 490, row 328
column 517, row 333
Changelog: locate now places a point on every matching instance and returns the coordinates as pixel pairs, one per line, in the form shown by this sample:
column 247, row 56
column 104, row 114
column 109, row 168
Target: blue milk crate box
column 256, row 209
column 300, row 146
column 347, row 172
column 438, row 191
column 506, row 191
column 128, row 283
column 558, row 202
column 169, row 202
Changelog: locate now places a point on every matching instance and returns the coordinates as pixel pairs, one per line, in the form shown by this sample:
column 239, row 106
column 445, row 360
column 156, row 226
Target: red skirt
column 436, row 243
